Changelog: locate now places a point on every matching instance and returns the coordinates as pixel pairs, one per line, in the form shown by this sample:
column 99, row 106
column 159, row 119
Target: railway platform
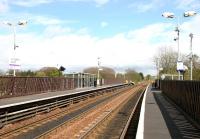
column 161, row 119
column 7, row 102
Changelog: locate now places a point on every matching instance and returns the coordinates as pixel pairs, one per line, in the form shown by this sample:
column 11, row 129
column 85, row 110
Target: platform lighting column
column 94, row 79
column 73, row 80
column 98, row 78
column 191, row 55
column 78, row 81
column 20, row 23
column 188, row 14
column 87, row 80
column 81, row 80
column 158, row 67
column 177, row 29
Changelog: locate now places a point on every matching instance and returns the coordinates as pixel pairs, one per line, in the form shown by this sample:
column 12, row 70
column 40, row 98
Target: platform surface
column 6, row 102
column 163, row 120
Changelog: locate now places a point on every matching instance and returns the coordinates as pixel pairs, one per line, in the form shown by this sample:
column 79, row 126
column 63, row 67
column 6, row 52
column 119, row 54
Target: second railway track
column 117, row 123
column 108, row 120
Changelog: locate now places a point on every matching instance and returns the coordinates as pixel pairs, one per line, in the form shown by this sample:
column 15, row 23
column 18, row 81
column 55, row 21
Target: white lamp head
column 168, row 15
column 189, row 13
column 22, row 22
column 7, row 23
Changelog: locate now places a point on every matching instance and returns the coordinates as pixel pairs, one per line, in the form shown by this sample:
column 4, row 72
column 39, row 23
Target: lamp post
column 188, row 14
column 191, row 56
column 20, row 23
column 98, row 71
column 177, row 29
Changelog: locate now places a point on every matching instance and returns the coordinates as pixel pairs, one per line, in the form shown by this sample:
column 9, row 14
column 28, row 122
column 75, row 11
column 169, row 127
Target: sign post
column 180, row 68
column 14, row 64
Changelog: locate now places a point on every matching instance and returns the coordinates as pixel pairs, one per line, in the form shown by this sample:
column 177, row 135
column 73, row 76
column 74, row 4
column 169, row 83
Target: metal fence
column 19, row 86
column 186, row 94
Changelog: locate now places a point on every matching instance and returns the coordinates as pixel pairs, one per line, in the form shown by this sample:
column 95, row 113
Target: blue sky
column 73, row 33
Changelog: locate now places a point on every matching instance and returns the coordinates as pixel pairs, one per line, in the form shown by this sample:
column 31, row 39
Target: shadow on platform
column 177, row 124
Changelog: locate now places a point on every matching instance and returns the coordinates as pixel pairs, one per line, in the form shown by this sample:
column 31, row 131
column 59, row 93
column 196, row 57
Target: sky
column 74, row 33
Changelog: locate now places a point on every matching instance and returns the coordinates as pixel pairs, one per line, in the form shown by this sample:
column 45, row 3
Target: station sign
column 14, row 63
column 180, row 66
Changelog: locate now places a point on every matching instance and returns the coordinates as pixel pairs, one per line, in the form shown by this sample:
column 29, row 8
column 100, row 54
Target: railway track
column 120, row 122
column 47, row 123
column 110, row 119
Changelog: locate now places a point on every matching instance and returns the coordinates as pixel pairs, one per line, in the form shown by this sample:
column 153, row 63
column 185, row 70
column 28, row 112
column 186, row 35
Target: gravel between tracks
column 81, row 125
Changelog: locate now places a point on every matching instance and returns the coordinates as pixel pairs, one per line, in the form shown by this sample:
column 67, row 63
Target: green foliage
column 148, row 77
column 196, row 74
column 109, row 73
column 106, row 72
column 27, row 73
column 43, row 72
column 166, row 59
column 132, row 75
column 141, row 75
column 1, row 72
column 49, row 71
column 120, row 76
column 40, row 74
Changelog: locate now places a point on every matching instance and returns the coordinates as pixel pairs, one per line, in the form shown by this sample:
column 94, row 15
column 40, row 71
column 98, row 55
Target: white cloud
column 188, row 4
column 45, row 20
column 32, row 3
column 101, row 2
column 191, row 25
column 187, row 27
column 83, row 49
column 3, row 6
column 69, row 47
column 83, row 31
column 152, row 32
column 104, row 24
column 55, row 30
column 142, row 7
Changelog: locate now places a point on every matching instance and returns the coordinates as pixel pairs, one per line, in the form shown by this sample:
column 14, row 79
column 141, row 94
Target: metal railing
column 19, row 86
column 185, row 94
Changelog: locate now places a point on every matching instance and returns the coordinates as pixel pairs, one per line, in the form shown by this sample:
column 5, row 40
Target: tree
column 120, row 76
column 141, row 75
column 40, row 74
column 132, row 75
column 105, row 73
column 49, row 71
column 196, row 67
column 28, row 73
column 166, row 59
column 1, row 73
column 148, row 77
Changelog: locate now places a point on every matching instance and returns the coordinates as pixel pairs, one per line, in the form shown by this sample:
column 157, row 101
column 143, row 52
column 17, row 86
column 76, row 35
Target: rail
column 106, row 114
column 124, row 132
